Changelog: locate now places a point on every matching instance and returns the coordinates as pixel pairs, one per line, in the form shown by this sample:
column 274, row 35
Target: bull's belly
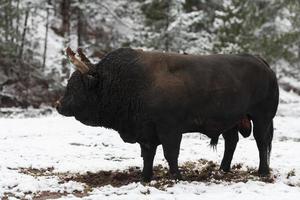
column 210, row 127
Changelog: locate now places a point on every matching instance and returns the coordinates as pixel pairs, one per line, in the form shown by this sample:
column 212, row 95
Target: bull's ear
column 90, row 81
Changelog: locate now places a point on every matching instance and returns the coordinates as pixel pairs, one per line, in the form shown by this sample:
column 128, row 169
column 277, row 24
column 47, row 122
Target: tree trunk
column 11, row 18
column 6, row 22
column 17, row 34
column 55, row 8
column 167, row 25
column 24, row 34
column 46, row 35
column 65, row 13
column 79, row 28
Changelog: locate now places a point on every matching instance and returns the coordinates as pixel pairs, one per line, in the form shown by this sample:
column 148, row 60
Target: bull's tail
column 270, row 138
column 213, row 142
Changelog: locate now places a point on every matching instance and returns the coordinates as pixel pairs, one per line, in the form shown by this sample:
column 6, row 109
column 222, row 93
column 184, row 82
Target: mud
column 37, row 172
column 199, row 171
column 45, row 195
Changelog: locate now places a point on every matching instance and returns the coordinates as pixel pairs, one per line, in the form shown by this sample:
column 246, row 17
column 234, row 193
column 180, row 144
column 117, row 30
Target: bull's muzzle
column 63, row 109
column 57, row 104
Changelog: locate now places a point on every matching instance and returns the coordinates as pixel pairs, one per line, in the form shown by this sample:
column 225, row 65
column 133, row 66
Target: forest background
column 34, row 34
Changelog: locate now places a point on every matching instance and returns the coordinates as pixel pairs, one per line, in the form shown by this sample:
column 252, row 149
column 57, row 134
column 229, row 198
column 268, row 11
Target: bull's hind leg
column 231, row 138
column 148, row 153
column 171, row 147
column 263, row 134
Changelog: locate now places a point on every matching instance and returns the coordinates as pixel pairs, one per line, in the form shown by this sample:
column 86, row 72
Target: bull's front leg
column 148, row 152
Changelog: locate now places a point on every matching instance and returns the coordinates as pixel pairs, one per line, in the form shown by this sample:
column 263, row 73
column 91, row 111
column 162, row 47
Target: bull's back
column 206, row 85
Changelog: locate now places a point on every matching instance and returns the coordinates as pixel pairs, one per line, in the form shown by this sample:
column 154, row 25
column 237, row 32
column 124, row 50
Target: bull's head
column 80, row 97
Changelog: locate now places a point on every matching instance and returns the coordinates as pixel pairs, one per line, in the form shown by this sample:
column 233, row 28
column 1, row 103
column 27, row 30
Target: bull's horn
column 81, row 66
column 83, row 58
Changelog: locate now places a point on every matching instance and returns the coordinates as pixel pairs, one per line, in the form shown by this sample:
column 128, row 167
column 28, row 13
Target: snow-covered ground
column 63, row 145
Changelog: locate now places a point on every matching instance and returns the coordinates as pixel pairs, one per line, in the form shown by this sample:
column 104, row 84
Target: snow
column 288, row 80
column 67, row 146
column 283, row 25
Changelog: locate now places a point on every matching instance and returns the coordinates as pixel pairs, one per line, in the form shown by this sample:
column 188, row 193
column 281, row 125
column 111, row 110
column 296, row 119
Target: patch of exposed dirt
column 45, row 195
column 56, row 195
column 291, row 173
column 285, row 138
column 49, row 195
column 102, row 178
column 37, row 172
column 199, row 171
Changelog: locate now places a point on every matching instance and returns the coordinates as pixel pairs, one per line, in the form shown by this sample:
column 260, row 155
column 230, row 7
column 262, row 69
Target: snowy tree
column 34, row 34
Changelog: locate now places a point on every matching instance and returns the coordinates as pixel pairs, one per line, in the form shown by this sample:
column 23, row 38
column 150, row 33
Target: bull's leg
column 171, row 147
column 263, row 134
column 231, row 138
column 148, row 153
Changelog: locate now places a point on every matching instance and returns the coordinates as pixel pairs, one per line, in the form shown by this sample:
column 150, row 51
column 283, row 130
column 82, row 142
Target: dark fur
column 122, row 82
column 152, row 98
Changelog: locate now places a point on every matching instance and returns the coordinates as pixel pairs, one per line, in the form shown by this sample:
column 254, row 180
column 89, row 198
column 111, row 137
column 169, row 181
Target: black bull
column 152, row 98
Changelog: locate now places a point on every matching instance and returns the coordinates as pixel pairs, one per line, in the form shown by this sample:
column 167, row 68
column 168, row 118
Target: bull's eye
column 89, row 76
column 90, row 81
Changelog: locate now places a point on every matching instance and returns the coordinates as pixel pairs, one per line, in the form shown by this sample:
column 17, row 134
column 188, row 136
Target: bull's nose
column 57, row 104
column 62, row 109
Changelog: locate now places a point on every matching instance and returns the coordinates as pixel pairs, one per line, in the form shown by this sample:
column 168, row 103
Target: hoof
column 176, row 176
column 146, row 179
column 224, row 169
column 263, row 173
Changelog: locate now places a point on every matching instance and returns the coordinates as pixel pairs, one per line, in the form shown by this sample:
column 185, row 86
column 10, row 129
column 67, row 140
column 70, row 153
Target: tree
column 157, row 20
column 9, row 37
column 24, row 33
column 46, row 33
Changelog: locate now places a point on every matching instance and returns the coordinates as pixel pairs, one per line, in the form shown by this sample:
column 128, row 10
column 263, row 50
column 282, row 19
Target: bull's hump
column 120, row 57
